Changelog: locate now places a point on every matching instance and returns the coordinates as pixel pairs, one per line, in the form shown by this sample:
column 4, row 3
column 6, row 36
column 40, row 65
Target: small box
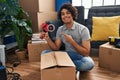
column 34, row 50
column 57, row 66
column 109, row 57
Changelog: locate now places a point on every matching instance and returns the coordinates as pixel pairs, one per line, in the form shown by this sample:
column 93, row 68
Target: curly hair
column 70, row 8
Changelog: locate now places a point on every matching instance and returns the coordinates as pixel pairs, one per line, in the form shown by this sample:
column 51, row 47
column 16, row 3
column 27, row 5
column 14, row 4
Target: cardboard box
column 37, row 5
column 34, row 19
column 34, row 6
column 48, row 5
column 39, row 17
column 109, row 57
column 46, row 16
column 57, row 66
column 34, row 50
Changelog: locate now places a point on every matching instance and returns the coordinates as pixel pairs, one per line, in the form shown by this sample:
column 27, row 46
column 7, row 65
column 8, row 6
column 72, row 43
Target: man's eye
column 62, row 14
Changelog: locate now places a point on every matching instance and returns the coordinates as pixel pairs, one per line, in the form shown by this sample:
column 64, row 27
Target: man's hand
column 44, row 35
column 67, row 37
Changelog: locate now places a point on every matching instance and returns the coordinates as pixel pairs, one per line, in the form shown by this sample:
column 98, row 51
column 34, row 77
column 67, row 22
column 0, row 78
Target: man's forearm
column 80, row 49
column 52, row 44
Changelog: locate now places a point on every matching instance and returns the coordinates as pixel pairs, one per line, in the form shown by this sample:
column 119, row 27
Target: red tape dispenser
column 47, row 28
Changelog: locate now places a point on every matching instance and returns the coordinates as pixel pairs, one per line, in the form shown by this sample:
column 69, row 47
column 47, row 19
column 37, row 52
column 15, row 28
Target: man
column 75, row 36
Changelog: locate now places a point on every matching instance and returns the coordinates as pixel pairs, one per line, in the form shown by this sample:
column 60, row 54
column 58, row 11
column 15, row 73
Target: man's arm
column 53, row 45
column 84, row 49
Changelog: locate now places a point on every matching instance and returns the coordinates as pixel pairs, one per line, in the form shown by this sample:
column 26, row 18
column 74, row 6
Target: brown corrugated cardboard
column 37, row 5
column 109, row 57
column 57, row 66
column 34, row 6
column 40, row 17
column 34, row 50
column 45, row 16
column 33, row 17
column 30, row 5
column 48, row 5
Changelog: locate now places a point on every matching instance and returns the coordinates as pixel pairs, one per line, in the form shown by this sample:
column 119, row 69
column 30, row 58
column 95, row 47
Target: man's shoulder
column 61, row 27
column 79, row 26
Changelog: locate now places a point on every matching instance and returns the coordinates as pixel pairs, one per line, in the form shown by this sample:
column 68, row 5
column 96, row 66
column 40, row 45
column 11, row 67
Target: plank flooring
column 99, row 73
column 31, row 71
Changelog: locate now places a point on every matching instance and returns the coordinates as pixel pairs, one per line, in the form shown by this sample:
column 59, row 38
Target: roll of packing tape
column 111, row 40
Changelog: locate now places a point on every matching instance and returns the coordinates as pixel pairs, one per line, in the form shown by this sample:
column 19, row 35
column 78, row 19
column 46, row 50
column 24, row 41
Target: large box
column 39, row 17
column 48, row 5
column 45, row 16
column 109, row 57
column 34, row 19
column 37, row 5
column 34, row 6
column 57, row 66
column 34, row 50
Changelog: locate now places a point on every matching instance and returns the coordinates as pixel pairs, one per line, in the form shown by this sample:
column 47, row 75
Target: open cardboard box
column 57, row 66
column 35, row 49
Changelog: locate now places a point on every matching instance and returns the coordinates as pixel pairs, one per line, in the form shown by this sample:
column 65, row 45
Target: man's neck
column 69, row 25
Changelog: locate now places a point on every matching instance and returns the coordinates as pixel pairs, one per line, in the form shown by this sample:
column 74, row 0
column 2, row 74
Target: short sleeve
column 58, row 35
column 85, row 34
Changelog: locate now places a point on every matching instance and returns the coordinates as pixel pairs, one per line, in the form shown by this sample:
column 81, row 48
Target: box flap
column 48, row 60
column 56, row 58
column 63, row 59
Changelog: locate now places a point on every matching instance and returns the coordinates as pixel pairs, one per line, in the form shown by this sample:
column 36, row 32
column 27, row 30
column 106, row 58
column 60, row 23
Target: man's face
column 66, row 16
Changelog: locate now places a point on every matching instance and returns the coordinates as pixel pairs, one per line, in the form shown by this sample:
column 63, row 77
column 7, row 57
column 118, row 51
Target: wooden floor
column 99, row 73
column 31, row 71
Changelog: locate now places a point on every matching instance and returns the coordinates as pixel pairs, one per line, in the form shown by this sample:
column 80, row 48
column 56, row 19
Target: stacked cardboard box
column 57, row 66
column 45, row 16
column 34, row 51
column 35, row 47
column 109, row 57
column 39, row 11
